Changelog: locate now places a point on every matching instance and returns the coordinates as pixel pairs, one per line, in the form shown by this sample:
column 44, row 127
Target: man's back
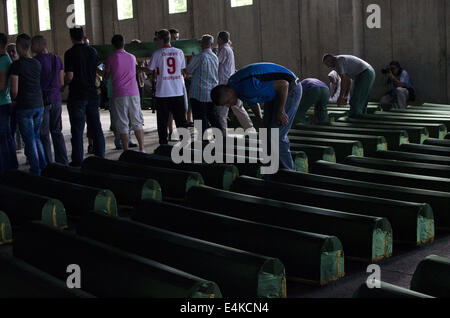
column 51, row 66
column 82, row 60
column 227, row 65
column 351, row 65
column 29, row 72
column 122, row 66
column 168, row 63
column 205, row 75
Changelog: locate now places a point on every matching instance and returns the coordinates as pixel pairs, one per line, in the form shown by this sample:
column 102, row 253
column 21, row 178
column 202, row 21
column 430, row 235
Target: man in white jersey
column 169, row 64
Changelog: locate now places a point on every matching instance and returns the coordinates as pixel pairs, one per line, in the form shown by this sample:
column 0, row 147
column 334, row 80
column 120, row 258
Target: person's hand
column 341, row 101
column 282, row 119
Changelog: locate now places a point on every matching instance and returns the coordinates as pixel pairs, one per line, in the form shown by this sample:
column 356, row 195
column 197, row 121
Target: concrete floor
column 397, row 270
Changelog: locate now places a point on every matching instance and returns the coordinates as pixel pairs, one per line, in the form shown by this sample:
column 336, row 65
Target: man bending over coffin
column 349, row 68
column 275, row 86
column 315, row 94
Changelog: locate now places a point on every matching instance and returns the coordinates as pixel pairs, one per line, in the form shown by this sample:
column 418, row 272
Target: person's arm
column 193, row 65
column 399, row 82
column 3, row 80
column 282, row 90
column 346, row 83
column 14, row 89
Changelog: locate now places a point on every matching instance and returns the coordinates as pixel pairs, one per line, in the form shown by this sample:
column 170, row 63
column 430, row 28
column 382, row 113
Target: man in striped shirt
column 204, row 69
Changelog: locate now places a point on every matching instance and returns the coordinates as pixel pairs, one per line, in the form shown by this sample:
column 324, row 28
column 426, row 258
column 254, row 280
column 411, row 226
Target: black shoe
column 132, row 145
column 90, row 150
column 190, row 125
column 119, row 148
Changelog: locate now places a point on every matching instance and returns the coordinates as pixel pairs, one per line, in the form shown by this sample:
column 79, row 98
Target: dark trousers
column 207, row 113
column 29, row 121
column 8, row 157
column 166, row 106
column 52, row 127
column 80, row 113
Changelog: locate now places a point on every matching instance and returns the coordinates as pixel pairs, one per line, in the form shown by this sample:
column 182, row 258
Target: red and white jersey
column 168, row 63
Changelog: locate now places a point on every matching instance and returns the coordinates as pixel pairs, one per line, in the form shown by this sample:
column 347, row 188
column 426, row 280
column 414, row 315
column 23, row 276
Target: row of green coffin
column 435, row 130
column 412, row 223
column 309, row 257
column 370, row 144
column 105, row 271
column 431, row 279
column 247, row 163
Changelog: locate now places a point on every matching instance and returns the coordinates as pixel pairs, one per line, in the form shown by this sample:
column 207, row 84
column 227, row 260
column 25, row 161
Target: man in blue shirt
column 401, row 86
column 275, row 86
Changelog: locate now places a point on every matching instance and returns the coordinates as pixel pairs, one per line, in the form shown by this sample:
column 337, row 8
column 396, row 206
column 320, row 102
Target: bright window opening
column 45, row 23
column 177, row 6
column 80, row 15
column 125, row 9
column 13, row 22
column 241, row 3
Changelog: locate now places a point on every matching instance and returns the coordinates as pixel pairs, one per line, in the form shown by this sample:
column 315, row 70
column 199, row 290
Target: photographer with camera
column 402, row 90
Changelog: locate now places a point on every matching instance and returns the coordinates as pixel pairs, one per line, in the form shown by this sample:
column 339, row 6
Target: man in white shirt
column 169, row 64
column 227, row 68
column 349, row 68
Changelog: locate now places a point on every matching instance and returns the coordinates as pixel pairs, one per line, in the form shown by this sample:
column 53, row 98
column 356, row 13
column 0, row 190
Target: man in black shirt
column 83, row 103
column 26, row 91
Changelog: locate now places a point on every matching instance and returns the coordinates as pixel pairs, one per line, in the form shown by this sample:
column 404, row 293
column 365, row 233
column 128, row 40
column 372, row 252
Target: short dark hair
column 218, row 92
column 327, row 56
column 3, row 40
column 24, row 41
column 224, row 36
column 39, row 38
column 174, row 31
column 164, row 35
column 118, row 41
column 77, row 34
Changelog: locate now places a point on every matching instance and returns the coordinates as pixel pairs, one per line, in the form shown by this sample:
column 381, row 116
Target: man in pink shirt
column 126, row 109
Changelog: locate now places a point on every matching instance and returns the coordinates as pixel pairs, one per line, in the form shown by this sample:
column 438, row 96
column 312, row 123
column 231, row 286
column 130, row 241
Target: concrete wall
column 295, row 33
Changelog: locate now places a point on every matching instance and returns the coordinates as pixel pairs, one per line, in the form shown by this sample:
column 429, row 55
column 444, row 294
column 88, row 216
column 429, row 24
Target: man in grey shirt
column 349, row 68
column 226, row 69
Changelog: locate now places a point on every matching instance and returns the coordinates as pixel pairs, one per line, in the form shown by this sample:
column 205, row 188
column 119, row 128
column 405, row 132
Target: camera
column 386, row 71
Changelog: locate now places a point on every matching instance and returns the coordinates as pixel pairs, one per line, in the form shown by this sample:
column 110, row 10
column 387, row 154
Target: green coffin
column 386, row 291
column 416, row 120
column 334, row 108
column 439, row 201
column 174, row 183
column 422, row 169
column 434, row 130
column 435, row 105
column 437, row 142
column 342, row 148
column 426, row 150
column 106, row 271
column 422, row 111
column 127, row 190
column 432, row 277
column 20, row 280
column 394, row 138
column 412, row 157
column 407, row 218
column 215, row 175
column 371, row 144
column 77, row 199
column 309, row 258
column 22, row 207
column 238, row 273
column 415, row 134
column 364, row 238
column 409, row 114
column 146, row 50
column 381, row 176
column 443, row 108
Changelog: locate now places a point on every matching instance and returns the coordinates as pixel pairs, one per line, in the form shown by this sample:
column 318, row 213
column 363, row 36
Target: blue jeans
column 83, row 112
column 52, row 126
column 29, row 121
column 8, row 157
column 270, row 121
